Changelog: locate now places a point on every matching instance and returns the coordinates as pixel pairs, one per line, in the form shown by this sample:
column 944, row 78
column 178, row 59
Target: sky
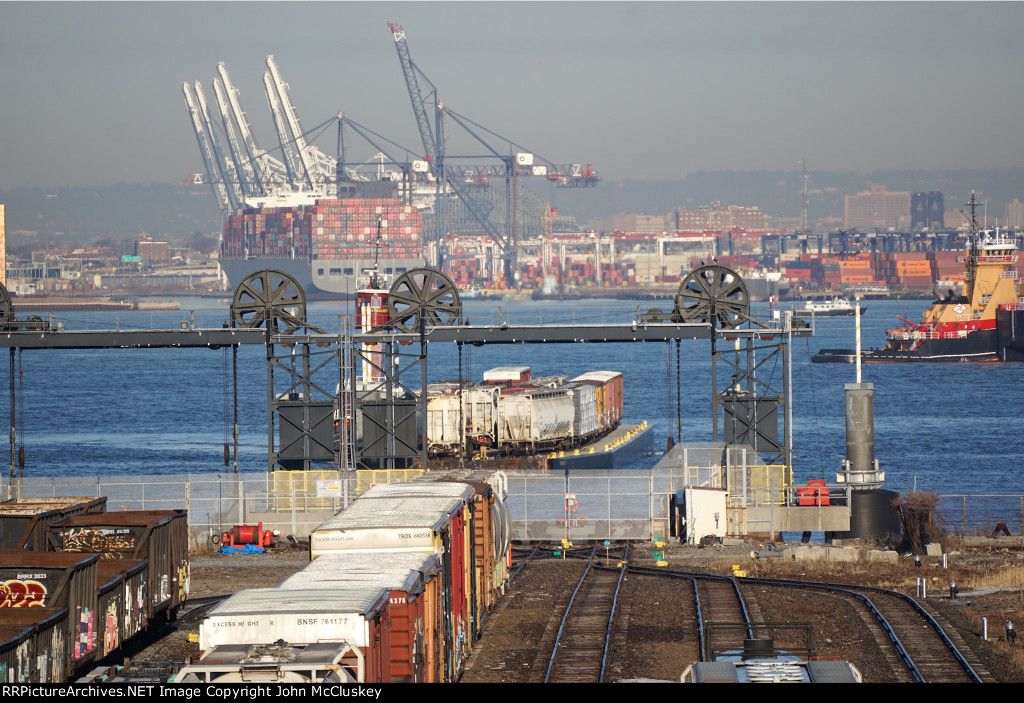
column 91, row 92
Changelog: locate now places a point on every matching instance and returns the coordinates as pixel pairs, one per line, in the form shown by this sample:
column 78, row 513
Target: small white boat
column 831, row 307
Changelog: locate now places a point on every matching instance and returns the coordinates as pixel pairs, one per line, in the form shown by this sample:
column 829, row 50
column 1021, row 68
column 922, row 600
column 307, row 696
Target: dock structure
column 317, row 370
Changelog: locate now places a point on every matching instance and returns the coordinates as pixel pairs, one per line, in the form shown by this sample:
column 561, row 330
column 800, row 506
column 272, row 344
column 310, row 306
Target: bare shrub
column 920, row 526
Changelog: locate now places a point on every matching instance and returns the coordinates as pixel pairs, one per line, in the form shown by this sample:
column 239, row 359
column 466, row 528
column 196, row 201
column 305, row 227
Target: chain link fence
column 981, row 515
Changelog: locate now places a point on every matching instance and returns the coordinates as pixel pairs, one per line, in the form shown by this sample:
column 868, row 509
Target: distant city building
column 1014, row 214
column 717, row 217
column 151, row 251
column 926, row 210
column 3, row 244
column 876, row 209
column 623, row 222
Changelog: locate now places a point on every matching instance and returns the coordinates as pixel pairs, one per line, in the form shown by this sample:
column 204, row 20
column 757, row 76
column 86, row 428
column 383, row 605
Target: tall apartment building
column 3, row 244
column 150, row 251
column 876, row 209
column 717, row 217
column 926, row 210
column 1015, row 214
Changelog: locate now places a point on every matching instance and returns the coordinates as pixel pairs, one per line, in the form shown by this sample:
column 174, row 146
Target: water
column 950, row 428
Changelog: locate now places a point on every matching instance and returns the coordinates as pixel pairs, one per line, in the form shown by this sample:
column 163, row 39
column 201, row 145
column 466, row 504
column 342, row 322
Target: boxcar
column 306, row 616
column 412, row 582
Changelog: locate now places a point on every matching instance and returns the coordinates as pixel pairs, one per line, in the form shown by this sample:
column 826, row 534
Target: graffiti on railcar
column 22, row 592
column 99, row 539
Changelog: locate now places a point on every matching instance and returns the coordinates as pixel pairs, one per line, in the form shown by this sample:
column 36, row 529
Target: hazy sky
column 91, row 93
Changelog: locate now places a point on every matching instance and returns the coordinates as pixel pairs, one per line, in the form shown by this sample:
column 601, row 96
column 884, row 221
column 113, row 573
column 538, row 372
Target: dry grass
column 1008, row 576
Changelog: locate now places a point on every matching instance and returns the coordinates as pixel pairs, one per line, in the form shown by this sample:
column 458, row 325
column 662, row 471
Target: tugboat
column 985, row 323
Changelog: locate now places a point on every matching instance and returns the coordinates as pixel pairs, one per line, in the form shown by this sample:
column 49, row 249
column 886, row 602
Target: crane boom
column 243, row 166
column 287, row 155
column 419, row 103
column 223, row 167
column 309, row 167
column 206, row 151
column 264, row 168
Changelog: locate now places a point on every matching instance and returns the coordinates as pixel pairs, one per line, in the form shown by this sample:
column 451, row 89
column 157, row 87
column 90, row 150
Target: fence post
column 295, row 529
column 965, row 516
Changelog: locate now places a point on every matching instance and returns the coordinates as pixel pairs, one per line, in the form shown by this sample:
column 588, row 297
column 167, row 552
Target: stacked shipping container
column 334, row 228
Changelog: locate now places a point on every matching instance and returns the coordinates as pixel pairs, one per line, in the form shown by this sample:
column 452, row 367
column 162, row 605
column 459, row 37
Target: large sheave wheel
column 271, row 299
column 424, row 292
column 713, row 294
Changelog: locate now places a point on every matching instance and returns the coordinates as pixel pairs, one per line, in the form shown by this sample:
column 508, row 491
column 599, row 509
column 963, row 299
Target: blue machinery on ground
column 423, row 307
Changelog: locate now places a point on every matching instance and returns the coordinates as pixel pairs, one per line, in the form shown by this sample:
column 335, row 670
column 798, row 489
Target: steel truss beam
column 310, row 391
column 388, row 405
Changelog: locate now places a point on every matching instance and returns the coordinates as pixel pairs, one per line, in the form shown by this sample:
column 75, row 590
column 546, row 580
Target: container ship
column 327, row 245
column 985, row 323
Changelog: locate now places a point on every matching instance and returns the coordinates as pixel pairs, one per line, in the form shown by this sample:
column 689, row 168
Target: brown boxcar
column 45, row 579
column 23, row 522
column 160, row 536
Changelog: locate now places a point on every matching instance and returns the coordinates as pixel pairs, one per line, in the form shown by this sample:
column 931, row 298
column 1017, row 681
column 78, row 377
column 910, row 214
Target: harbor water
column 947, row 428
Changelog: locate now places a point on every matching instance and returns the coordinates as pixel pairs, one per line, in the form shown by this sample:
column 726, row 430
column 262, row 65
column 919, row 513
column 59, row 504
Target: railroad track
column 580, row 650
column 911, row 638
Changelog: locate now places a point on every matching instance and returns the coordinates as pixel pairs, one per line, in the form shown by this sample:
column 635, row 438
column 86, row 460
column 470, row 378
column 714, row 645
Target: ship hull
column 1004, row 342
column 982, row 345
column 320, row 279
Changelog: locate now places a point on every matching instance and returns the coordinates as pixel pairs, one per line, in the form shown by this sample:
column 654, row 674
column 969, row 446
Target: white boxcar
column 266, row 615
column 531, row 419
column 394, row 525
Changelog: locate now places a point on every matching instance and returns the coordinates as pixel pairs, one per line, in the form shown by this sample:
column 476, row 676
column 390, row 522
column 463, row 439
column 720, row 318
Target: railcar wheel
column 269, row 298
column 713, row 294
column 423, row 291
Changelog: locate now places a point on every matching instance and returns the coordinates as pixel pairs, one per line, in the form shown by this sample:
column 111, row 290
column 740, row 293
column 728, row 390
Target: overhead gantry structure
column 320, row 382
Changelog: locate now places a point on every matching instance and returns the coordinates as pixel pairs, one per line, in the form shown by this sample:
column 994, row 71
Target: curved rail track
column 924, row 651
